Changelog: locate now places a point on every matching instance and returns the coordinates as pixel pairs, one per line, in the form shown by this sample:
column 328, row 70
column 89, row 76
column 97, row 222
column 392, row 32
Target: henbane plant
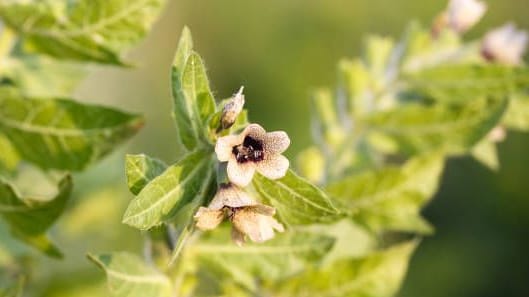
column 234, row 216
column 377, row 161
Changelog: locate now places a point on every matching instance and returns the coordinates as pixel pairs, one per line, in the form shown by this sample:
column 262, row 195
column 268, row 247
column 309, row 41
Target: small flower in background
column 253, row 149
column 497, row 134
column 232, row 109
column 248, row 217
column 461, row 15
column 505, row 45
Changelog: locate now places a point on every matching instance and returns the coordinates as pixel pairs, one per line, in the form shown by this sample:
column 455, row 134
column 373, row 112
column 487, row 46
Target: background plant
column 360, row 169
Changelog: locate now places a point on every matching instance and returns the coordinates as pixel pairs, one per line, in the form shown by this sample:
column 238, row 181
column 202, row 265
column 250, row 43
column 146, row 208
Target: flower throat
column 249, row 150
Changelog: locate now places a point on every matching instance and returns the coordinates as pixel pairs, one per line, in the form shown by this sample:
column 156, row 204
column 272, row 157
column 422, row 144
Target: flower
column 497, row 134
column 505, row 45
column 248, row 217
column 461, row 15
column 232, row 109
column 253, row 149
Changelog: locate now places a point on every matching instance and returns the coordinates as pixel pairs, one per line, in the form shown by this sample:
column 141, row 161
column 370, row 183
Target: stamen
column 250, row 150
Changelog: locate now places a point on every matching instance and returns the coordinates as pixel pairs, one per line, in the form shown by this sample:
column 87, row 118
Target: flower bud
column 232, row 109
column 505, row 45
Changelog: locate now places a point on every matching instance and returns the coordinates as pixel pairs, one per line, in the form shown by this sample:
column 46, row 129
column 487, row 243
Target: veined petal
column 237, row 236
column 273, row 167
column 208, row 219
column 230, row 196
column 258, row 227
column 240, row 173
column 255, row 131
column 224, row 147
column 276, row 142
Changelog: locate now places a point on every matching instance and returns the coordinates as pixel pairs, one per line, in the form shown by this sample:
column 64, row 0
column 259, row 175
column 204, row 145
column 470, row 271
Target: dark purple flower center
column 250, row 150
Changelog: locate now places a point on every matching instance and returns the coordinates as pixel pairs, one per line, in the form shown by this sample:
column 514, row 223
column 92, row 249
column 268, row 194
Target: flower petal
column 263, row 209
column 224, row 147
column 273, row 167
column 231, row 196
column 237, row 236
column 240, row 173
column 258, row 227
column 208, row 219
column 276, row 142
column 255, row 131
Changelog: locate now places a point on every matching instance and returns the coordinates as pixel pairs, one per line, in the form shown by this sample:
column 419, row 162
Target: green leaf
column 141, row 170
column 193, row 101
column 391, row 198
column 30, row 218
column 63, row 134
column 517, row 115
column 129, row 276
column 311, row 164
column 183, row 221
column 377, row 275
column 297, row 201
column 37, row 76
column 9, row 158
column 162, row 199
column 414, row 128
column 283, row 256
column 463, row 83
column 328, row 130
column 84, row 30
column 357, row 83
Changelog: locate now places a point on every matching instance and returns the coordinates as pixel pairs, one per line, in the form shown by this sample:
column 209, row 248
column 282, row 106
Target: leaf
column 161, row 199
column 415, row 128
column 463, row 83
column 327, row 128
column 311, row 164
column 63, row 134
column 183, row 221
column 391, row 198
column 297, row 201
column 486, row 153
column 30, row 218
column 37, row 76
column 193, row 101
column 129, row 276
column 283, row 256
column 141, row 170
column 377, row 275
column 84, row 30
column 517, row 115
column 9, row 158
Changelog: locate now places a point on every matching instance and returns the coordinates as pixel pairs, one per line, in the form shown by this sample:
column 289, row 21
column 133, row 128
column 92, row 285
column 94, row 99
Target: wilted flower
column 461, row 15
column 505, row 45
column 248, row 217
column 253, row 149
column 232, row 109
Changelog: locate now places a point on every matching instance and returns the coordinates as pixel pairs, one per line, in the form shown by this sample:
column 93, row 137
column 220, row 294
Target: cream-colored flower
column 497, row 134
column 505, row 45
column 248, row 217
column 232, row 109
column 253, row 149
column 461, row 15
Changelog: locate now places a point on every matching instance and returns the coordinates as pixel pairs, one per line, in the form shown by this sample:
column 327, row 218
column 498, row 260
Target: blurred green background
column 280, row 50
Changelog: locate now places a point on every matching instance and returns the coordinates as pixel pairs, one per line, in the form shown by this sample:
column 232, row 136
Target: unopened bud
column 232, row 109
